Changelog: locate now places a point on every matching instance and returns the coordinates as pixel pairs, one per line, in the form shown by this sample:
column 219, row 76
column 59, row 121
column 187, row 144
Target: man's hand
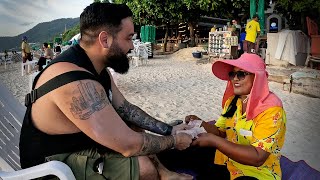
column 179, row 128
column 205, row 140
column 191, row 118
column 182, row 141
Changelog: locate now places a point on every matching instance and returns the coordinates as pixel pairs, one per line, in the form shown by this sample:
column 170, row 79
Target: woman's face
column 241, row 80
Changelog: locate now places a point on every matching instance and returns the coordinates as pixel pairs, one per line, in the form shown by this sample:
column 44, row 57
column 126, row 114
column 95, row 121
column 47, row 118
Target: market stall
column 222, row 44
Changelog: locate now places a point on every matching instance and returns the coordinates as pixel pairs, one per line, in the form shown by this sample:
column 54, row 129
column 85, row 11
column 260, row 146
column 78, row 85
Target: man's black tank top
column 34, row 144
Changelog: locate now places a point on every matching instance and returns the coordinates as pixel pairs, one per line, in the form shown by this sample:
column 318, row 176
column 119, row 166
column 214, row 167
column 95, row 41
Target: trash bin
column 197, row 54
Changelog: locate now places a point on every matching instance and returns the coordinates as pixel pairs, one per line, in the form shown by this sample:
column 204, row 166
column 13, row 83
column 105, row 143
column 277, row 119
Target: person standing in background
column 235, row 24
column 241, row 40
column 252, row 30
column 25, row 50
column 5, row 55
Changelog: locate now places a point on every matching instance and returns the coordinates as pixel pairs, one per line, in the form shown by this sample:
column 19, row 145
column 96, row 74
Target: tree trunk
column 165, row 39
column 191, row 29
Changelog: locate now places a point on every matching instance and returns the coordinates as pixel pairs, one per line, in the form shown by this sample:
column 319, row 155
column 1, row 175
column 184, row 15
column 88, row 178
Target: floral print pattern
column 267, row 132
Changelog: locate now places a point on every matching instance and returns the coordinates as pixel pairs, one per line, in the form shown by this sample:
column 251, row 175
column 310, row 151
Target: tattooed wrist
column 174, row 140
column 153, row 144
column 133, row 114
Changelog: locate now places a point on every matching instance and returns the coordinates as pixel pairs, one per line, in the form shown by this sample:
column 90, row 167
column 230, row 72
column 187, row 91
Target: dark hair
column 102, row 16
column 255, row 16
column 232, row 107
column 45, row 45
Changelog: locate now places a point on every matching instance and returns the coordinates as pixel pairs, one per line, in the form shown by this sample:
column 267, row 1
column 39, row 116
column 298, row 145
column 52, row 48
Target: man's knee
column 147, row 169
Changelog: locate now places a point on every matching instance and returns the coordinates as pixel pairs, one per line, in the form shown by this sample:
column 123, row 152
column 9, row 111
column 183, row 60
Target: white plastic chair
column 47, row 62
column 8, row 61
column 57, row 168
column 140, row 53
column 31, row 79
column 27, row 66
column 12, row 113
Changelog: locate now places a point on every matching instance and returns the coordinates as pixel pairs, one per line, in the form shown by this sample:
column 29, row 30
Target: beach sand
column 173, row 86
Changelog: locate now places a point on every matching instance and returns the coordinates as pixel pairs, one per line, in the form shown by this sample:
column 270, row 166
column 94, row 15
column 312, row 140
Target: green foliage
column 71, row 32
column 153, row 12
column 165, row 12
column 296, row 12
column 300, row 6
column 159, row 12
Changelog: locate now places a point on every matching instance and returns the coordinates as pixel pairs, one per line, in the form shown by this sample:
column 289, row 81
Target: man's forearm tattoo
column 153, row 144
column 133, row 114
column 88, row 99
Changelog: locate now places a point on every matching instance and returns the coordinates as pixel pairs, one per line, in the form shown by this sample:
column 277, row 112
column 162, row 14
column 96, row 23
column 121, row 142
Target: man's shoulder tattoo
column 88, row 100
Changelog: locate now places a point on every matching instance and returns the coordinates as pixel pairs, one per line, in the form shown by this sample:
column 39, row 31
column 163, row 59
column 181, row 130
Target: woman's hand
column 205, row 140
column 191, row 118
column 180, row 127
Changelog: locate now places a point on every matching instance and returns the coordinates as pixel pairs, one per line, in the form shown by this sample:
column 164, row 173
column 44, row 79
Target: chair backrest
column 143, row 51
column 312, row 27
column 11, row 117
column 16, row 58
column 315, row 45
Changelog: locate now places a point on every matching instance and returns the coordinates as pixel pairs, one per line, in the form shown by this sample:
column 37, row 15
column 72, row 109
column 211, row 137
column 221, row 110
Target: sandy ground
column 171, row 87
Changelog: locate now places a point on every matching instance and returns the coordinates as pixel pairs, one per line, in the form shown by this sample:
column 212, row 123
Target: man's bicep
column 85, row 99
column 86, row 105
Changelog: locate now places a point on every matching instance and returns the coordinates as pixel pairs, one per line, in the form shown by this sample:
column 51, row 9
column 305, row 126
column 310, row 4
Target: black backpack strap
column 55, row 83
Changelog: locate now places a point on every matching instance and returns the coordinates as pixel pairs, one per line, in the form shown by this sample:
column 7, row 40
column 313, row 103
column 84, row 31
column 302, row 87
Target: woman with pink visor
column 250, row 133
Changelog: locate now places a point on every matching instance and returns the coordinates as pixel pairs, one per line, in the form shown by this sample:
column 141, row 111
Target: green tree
column 296, row 12
column 154, row 12
column 70, row 33
column 164, row 12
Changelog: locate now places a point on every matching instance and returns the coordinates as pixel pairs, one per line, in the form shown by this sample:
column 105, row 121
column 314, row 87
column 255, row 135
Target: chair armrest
column 57, row 168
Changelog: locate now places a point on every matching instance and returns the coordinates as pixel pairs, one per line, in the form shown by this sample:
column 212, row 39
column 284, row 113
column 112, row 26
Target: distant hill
column 43, row 32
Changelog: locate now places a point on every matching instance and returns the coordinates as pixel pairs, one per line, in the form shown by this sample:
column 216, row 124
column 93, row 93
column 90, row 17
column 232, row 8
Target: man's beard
column 117, row 60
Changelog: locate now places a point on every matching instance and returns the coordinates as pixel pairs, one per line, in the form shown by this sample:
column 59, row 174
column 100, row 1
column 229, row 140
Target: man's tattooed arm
column 87, row 99
column 153, row 144
column 133, row 114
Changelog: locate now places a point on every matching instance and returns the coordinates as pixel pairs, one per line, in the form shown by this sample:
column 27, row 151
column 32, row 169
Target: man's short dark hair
column 255, row 16
column 45, row 45
column 102, row 16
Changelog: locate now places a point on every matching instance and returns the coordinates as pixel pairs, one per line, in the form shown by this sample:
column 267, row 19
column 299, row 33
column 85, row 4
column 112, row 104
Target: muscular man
column 76, row 113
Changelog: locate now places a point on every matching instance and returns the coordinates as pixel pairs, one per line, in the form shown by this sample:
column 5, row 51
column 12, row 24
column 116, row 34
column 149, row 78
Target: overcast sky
column 18, row 16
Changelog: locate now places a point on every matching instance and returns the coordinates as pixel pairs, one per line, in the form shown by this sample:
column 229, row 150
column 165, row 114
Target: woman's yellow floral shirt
column 266, row 131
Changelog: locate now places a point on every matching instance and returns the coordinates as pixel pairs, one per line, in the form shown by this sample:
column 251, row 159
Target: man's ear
column 105, row 39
